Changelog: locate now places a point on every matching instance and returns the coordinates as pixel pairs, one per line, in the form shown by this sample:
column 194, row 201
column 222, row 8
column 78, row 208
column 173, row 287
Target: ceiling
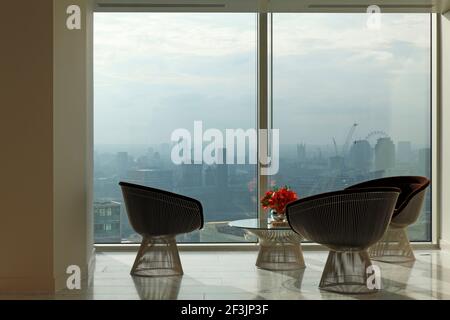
column 274, row 5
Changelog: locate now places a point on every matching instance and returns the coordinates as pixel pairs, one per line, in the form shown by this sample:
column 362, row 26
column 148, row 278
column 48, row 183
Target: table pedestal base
column 279, row 250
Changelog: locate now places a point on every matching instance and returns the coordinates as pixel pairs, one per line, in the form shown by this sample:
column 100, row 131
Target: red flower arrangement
column 277, row 199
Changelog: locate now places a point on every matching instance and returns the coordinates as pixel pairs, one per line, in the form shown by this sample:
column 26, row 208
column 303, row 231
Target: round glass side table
column 279, row 246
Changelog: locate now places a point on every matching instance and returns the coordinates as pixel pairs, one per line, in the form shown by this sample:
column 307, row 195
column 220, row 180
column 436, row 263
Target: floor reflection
column 395, row 277
column 158, row 288
column 233, row 276
column 291, row 280
column 394, row 280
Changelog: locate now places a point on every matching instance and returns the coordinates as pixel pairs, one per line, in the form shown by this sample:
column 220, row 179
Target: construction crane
column 347, row 140
column 346, row 143
column 335, row 147
column 328, row 183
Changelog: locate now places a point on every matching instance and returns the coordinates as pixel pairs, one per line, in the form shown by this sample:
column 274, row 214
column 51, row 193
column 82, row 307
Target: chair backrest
column 409, row 186
column 409, row 203
column 352, row 219
column 157, row 212
column 410, row 210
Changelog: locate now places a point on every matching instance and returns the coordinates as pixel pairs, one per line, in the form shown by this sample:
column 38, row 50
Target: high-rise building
column 210, row 177
column 361, row 155
column 156, row 160
column 222, row 170
column 105, row 188
column 336, row 162
column 191, row 175
column 107, row 222
column 404, row 152
column 301, row 152
column 384, row 154
column 156, row 178
column 424, row 165
column 164, row 149
column 143, row 162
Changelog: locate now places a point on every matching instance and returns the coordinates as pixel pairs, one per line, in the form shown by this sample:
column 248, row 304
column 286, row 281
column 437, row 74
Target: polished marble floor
column 233, row 275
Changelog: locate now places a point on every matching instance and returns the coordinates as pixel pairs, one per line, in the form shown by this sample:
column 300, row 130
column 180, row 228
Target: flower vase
column 277, row 216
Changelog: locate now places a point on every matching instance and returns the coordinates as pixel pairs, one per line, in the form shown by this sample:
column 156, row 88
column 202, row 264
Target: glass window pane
column 158, row 72
column 352, row 101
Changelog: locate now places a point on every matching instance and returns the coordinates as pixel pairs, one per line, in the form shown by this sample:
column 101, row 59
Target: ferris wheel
column 373, row 136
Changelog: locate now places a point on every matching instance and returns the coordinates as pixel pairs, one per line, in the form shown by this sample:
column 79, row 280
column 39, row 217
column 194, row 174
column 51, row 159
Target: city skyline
column 305, row 170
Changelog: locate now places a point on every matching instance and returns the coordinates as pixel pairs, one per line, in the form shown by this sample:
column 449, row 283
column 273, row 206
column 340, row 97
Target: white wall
column 445, row 131
column 72, row 171
column 45, row 143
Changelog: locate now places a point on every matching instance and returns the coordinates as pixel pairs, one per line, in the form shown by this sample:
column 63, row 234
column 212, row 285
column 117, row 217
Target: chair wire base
column 346, row 272
column 394, row 247
column 157, row 256
column 279, row 250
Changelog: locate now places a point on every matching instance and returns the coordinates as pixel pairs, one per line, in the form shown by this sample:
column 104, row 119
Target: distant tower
column 156, row 178
column 384, row 154
column 210, row 177
column 404, row 151
column 122, row 163
column 336, row 163
column 361, row 155
column 222, row 170
column 156, row 160
column 301, row 152
column 424, row 162
column 192, row 175
column 164, row 149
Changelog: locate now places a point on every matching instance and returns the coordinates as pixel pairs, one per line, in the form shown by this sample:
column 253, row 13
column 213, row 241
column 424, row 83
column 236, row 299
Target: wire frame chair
column 159, row 216
column 395, row 246
column 347, row 222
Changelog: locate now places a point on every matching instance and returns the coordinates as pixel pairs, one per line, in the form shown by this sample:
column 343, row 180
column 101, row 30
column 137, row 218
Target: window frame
column 264, row 99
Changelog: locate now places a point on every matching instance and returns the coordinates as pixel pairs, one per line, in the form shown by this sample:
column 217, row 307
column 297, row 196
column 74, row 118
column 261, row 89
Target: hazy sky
column 155, row 72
